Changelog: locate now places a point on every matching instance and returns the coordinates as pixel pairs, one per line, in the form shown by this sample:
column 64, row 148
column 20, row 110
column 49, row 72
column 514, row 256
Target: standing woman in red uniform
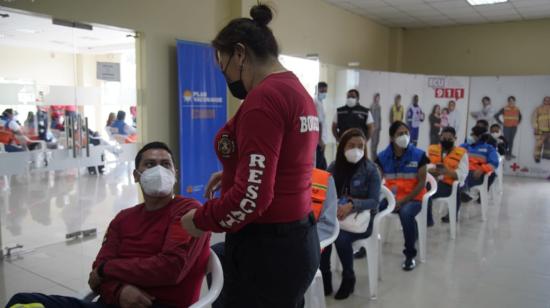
column 272, row 249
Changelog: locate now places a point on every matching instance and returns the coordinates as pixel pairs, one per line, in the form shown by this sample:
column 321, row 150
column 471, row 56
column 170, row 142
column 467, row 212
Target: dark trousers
column 471, row 181
column 443, row 190
column 320, row 160
column 53, row 301
column 57, row 301
column 270, row 265
column 510, row 135
column 374, row 143
column 345, row 250
column 13, row 148
column 407, row 214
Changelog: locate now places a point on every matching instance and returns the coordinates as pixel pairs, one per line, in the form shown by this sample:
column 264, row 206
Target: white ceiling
column 437, row 13
column 38, row 32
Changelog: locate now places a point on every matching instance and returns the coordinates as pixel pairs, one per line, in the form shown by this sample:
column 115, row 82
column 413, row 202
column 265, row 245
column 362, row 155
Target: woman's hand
column 344, row 211
column 213, row 185
column 188, row 225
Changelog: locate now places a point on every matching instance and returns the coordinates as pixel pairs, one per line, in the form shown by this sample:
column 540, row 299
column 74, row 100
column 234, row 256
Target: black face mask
column 236, row 88
column 447, row 144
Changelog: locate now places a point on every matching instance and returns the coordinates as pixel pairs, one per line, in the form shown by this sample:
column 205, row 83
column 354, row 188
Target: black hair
column 121, row 115
column 322, row 84
column 449, row 129
column 486, row 98
column 483, row 122
column 152, row 146
column 511, row 97
column 354, row 91
column 7, row 112
column 495, row 125
column 344, row 170
column 395, row 126
column 479, row 130
column 435, row 107
column 398, row 96
column 376, row 94
column 253, row 33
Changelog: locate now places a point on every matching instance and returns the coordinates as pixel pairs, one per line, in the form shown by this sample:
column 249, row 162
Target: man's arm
column 497, row 116
column 335, row 131
column 179, row 254
column 422, row 172
column 327, row 220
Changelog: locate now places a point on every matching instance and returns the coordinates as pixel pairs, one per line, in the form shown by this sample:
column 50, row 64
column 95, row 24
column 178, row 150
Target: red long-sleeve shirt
column 150, row 250
column 267, row 152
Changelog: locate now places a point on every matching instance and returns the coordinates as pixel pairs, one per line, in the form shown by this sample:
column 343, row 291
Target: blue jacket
column 121, row 126
column 402, row 173
column 364, row 186
column 480, row 155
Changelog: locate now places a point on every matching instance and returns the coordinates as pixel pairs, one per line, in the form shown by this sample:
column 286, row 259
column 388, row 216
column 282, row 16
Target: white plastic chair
column 315, row 294
column 496, row 189
column 372, row 244
column 450, row 201
column 214, row 268
column 483, row 195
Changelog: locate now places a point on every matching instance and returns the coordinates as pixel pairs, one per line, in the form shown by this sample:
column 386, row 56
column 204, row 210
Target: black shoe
column 327, row 283
column 409, row 264
column 464, row 197
column 537, row 160
column 360, row 254
column 445, row 219
column 346, row 288
column 430, row 223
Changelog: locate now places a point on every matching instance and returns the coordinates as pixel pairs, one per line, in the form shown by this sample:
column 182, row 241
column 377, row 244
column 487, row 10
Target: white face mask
column 470, row 140
column 354, row 155
column 157, row 181
column 496, row 135
column 351, row 102
column 321, row 96
column 403, row 141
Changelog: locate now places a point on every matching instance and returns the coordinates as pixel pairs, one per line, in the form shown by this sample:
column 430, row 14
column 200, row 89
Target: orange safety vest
column 319, row 187
column 511, row 116
column 451, row 161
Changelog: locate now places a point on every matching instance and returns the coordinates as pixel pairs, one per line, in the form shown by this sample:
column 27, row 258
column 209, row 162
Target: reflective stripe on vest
column 319, row 187
column 451, row 161
column 511, row 116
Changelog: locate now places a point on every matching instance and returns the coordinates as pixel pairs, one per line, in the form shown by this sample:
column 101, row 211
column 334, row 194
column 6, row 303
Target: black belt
column 279, row 228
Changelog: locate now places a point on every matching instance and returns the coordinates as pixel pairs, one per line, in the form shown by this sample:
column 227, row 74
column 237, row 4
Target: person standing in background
column 511, row 118
column 486, row 112
column 415, row 117
column 435, row 124
column 321, row 161
column 352, row 115
column 453, row 117
column 396, row 112
column 376, row 112
column 30, row 124
column 541, row 126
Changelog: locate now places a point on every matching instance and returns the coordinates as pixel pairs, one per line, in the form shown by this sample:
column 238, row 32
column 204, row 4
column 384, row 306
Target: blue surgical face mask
column 321, row 96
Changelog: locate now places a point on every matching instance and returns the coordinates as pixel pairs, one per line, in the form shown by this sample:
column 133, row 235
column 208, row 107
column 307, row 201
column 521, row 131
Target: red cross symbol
column 515, row 167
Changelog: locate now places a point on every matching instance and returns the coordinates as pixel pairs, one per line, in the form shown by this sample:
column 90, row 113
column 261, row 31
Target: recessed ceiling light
column 485, row 2
column 29, row 31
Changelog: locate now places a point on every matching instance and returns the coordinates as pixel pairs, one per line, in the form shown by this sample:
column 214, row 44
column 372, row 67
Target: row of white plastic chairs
column 373, row 244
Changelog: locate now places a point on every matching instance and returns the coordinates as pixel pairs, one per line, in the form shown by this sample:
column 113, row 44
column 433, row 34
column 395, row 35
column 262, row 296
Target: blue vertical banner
column 202, row 112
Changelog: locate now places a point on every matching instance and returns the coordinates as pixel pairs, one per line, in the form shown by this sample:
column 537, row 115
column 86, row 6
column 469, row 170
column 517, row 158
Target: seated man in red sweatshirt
column 146, row 259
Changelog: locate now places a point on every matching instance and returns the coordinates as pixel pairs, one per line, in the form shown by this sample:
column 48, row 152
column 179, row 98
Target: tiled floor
column 503, row 262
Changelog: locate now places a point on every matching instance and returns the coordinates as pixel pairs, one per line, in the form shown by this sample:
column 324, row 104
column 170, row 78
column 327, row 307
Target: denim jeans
column 407, row 214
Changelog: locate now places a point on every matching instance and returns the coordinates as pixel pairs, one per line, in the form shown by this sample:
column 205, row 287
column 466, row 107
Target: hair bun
column 261, row 14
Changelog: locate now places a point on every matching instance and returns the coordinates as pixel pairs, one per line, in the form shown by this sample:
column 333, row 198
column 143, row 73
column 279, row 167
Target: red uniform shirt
column 150, row 250
column 267, row 152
